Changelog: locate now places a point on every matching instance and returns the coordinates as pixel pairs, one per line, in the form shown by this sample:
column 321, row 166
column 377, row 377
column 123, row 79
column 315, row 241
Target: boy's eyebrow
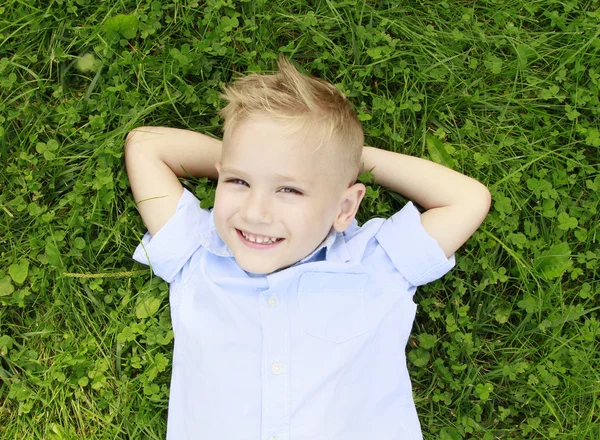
column 232, row 171
column 279, row 177
column 284, row 178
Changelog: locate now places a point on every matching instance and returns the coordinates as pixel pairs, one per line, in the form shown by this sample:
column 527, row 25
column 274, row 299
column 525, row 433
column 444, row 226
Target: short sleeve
column 416, row 255
column 173, row 245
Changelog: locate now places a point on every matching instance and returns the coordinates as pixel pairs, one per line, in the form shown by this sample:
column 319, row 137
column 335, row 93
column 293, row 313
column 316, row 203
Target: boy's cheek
column 221, row 198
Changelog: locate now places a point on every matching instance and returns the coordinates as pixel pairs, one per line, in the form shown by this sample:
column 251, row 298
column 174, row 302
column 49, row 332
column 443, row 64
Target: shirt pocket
column 332, row 305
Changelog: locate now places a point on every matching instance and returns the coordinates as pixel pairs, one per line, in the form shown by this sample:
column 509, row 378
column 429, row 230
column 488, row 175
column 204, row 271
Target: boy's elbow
column 481, row 201
column 485, row 197
column 134, row 136
column 476, row 201
column 142, row 140
column 129, row 137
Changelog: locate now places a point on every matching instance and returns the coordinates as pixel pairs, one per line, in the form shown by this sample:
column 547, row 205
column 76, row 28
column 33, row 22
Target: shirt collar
column 334, row 245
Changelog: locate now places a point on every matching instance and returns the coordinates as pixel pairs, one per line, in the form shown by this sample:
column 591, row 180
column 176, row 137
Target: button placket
column 276, row 368
column 275, row 358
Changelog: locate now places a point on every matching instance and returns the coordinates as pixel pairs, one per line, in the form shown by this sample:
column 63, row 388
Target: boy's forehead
column 267, row 132
column 270, row 142
column 283, row 167
column 292, row 156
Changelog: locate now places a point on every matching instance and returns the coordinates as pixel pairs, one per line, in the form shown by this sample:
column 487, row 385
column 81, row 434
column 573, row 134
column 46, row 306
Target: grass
column 504, row 347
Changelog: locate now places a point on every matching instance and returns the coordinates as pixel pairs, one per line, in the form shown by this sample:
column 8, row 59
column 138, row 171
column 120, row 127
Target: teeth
column 259, row 239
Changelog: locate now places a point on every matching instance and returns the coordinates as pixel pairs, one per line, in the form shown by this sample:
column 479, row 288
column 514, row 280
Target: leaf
column 427, row 341
column 6, row 287
column 572, row 114
column 49, row 155
column 6, row 343
column 483, row 390
column 524, row 52
column 555, row 261
column 566, row 222
column 147, row 306
column 374, row 52
column 53, row 255
column 161, row 362
column 450, row 434
column 79, row 243
column 371, row 193
column 419, row 357
column 18, row 271
column 529, row 304
column 366, row 177
column 85, row 63
column 438, row 152
column 593, row 137
column 502, row 203
column 229, row 23
column 457, row 35
column 124, row 25
column 494, row 64
column 502, row 315
column 40, row 147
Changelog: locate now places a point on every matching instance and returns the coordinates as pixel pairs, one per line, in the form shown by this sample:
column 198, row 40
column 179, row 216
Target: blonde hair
column 304, row 104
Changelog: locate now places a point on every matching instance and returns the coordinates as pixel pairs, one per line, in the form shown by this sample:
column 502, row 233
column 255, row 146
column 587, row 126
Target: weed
column 505, row 346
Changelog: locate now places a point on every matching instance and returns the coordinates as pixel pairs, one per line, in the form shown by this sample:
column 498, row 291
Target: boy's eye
column 291, row 191
column 237, row 181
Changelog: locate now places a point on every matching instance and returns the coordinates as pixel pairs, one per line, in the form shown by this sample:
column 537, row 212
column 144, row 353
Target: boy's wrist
column 185, row 152
column 366, row 159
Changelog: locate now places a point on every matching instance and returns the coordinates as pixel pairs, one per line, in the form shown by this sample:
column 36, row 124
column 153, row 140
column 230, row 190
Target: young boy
column 290, row 320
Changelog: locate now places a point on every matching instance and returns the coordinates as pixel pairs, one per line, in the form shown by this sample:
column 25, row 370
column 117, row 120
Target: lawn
column 506, row 346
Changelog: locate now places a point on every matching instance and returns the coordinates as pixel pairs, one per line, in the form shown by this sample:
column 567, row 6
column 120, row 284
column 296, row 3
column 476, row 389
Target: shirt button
column 276, row 368
column 273, row 301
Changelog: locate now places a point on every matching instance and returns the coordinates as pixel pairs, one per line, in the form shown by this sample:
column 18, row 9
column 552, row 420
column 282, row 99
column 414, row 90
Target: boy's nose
column 256, row 209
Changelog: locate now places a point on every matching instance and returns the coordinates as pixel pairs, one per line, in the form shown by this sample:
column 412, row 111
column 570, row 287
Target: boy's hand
column 456, row 204
column 155, row 157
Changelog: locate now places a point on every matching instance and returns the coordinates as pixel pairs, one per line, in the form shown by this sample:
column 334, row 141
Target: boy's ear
column 349, row 204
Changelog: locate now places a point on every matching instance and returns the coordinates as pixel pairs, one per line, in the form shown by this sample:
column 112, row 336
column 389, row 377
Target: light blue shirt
column 312, row 352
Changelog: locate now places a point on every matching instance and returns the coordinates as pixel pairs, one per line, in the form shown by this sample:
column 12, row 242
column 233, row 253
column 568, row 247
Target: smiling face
column 276, row 199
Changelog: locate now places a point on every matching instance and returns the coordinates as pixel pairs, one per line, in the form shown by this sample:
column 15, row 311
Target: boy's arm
column 155, row 157
column 456, row 204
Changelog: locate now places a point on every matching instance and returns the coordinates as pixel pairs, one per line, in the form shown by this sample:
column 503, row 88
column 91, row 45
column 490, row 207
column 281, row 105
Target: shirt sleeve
column 173, row 245
column 416, row 254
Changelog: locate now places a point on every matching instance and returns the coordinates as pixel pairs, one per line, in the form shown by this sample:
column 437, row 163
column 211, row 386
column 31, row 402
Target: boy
column 291, row 321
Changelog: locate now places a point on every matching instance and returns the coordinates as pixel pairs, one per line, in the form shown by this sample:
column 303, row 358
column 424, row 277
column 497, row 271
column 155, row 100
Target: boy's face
column 274, row 189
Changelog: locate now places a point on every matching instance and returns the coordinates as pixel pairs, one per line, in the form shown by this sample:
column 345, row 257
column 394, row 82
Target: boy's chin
column 259, row 271
column 259, row 267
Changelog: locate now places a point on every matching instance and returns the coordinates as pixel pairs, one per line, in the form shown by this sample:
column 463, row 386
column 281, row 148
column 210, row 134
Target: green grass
column 507, row 346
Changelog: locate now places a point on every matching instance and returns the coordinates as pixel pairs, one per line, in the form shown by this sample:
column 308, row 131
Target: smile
column 257, row 241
